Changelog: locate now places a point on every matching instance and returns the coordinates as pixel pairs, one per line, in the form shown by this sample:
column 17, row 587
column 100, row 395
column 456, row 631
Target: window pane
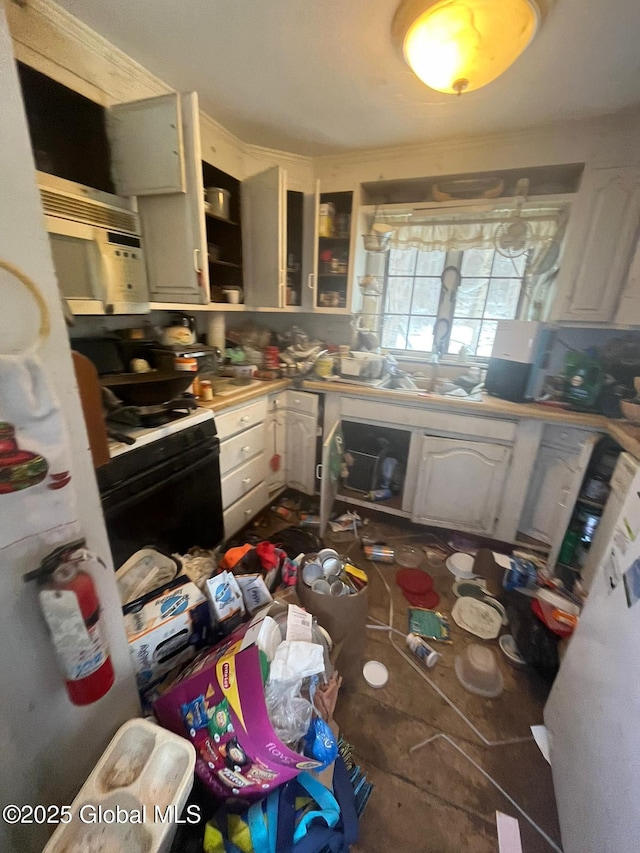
column 394, row 332
column 486, row 338
column 430, row 263
column 402, row 261
column 509, row 267
column 471, row 297
column 477, row 262
column 426, row 296
column 464, row 333
column 502, row 302
column 421, row 333
column 398, row 300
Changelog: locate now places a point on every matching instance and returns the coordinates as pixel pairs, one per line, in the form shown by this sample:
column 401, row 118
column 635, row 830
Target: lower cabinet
column 243, row 463
column 560, row 466
column 460, row 484
column 290, row 438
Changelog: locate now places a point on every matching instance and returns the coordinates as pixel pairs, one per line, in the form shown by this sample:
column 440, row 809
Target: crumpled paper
column 295, row 659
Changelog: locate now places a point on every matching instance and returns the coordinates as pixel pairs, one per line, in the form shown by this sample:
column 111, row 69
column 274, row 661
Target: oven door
column 173, row 506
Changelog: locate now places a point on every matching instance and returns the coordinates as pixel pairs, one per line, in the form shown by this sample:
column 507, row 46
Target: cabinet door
column 275, row 449
column 310, row 253
column 332, row 454
column 600, row 239
column 171, row 211
column 460, row 484
column 553, row 492
column 147, row 153
column 301, row 452
column 629, row 307
column 264, row 205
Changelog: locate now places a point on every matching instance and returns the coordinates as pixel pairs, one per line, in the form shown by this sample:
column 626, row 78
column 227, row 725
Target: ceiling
column 322, row 76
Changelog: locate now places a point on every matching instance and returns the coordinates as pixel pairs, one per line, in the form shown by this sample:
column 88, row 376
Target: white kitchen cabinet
column 330, row 467
column 156, row 145
column 290, row 435
column 275, row 444
column 460, row 484
column 301, row 452
column 243, row 463
column 629, row 307
column 600, row 238
column 554, row 488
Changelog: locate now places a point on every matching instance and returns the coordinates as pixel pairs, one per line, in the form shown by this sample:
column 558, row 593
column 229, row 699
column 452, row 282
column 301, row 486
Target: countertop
column 624, row 432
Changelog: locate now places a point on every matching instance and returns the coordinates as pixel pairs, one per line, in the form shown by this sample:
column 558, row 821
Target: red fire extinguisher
column 71, row 609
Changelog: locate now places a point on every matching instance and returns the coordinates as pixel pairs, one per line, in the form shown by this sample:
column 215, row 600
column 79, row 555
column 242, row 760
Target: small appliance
column 96, row 248
column 517, row 366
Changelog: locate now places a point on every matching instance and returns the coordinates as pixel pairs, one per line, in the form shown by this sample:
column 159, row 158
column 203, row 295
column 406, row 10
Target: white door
column 310, row 248
column 264, row 228
column 135, row 130
column 548, row 498
column 460, row 484
column 301, row 452
column 629, row 307
column 169, row 189
column 275, row 449
column 553, row 493
column 331, row 462
column 600, row 239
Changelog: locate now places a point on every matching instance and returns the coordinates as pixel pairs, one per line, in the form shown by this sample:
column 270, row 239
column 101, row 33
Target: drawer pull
column 244, row 419
column 245, row 449
column 248, row 512
column 246, row 481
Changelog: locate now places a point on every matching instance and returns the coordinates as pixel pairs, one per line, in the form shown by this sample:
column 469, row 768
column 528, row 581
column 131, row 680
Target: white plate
column 460, row 565
column 477, row 618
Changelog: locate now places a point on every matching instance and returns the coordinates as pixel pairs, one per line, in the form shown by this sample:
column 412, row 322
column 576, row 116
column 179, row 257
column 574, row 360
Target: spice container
column 206, row 389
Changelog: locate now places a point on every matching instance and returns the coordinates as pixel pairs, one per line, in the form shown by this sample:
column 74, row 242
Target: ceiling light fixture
column 457, row 46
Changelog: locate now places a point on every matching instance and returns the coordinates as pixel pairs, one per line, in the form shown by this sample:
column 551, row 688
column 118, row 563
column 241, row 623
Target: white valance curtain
column 442, row 231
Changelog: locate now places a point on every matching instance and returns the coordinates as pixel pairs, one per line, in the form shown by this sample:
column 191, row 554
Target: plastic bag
column 289, row 712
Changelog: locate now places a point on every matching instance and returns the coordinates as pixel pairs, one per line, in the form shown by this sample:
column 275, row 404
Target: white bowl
column 461, row 565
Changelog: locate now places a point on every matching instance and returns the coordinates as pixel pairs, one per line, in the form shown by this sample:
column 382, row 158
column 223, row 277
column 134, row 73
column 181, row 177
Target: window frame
column 443, row 210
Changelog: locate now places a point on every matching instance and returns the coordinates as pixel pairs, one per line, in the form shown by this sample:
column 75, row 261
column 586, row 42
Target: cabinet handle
column 196, row 260
column 245, row 449
column 565, row 494
column 244, row 419
column 311, row 280
column 248, row 512
column 296, row 401
column 246, row 481
column 319, row 471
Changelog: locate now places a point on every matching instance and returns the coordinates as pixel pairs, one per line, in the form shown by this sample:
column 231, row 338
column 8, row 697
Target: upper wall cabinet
column 156, row 156
column 280, row 256
column 600, row 238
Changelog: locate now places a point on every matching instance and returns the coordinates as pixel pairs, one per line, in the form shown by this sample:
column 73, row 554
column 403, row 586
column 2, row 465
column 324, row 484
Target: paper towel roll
column 216, row 331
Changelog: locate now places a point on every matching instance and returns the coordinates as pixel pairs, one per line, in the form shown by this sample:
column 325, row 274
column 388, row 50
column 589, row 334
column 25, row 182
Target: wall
column 48, row 745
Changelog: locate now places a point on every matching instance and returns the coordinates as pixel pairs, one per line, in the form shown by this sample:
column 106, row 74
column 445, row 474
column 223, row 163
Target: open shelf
column 591, row 504
column 210, row 215
column 524, row 541
column 219, row 263
column 392, row 505
column 225, row 235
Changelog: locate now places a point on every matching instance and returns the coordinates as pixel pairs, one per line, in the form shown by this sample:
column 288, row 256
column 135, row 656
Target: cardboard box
column 166, row 631
column 218, row 702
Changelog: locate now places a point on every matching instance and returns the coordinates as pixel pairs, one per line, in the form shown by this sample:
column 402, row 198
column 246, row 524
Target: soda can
column 379, row 553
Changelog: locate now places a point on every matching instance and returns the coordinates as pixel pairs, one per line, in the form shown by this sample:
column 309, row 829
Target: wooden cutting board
column 91, row 399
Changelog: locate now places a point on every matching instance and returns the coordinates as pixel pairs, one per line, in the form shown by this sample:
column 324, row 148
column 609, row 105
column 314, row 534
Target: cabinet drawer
column 234, row 451
column 301, row 401
column 437, row 422
column 565, row 438
column 242, row 511
column 242, row 480
column 229, row 423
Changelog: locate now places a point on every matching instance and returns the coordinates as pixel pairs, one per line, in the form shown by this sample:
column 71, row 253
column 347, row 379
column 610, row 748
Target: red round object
column 414, row 581
column 429, row 600
column 559, row 631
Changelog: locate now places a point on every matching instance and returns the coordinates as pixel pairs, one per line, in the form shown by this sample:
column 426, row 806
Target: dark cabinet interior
column 68, row 131
column 295, row 214
column 224, row 236
column 333, row 250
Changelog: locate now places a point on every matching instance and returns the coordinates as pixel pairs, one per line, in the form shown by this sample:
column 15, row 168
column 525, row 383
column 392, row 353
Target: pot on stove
column 181, row 331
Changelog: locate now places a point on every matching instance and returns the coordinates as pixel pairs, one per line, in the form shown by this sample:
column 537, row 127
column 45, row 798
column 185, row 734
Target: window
column 464, row 292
